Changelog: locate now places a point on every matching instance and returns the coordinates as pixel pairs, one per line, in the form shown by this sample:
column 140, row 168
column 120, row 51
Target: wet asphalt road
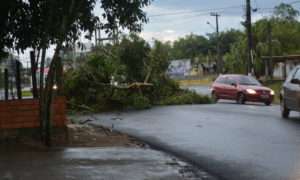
column 233, row 142
column 94, row 164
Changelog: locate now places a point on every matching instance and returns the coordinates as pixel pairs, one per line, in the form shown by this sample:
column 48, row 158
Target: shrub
column 140, row 102
column 186, row 97
column 163, row 88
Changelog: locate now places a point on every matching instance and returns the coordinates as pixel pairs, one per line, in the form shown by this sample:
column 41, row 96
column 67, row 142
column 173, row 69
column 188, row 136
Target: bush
column 89, row 85
column 163, row 88
column 140, row 102
column 186, row 97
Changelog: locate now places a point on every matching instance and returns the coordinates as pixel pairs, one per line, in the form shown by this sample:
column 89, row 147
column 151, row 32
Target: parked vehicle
column 290, row 93
column 241, row 88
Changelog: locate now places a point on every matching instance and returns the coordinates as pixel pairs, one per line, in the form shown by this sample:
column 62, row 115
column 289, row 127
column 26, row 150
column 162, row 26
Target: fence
column 17, row 114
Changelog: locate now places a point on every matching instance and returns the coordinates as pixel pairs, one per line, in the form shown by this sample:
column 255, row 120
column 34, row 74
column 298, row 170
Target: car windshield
column 247, row 80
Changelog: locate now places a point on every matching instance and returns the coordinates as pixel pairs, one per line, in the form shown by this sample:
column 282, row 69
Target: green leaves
column 134, row 54
column 127, row 14
column 286, row 12
column 41, row 23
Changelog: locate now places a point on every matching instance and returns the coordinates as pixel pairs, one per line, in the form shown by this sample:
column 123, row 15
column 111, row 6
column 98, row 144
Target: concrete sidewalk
column 94, row 164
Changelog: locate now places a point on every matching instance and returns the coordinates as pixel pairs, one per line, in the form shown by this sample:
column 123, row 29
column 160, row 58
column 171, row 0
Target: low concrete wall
column 17, row 114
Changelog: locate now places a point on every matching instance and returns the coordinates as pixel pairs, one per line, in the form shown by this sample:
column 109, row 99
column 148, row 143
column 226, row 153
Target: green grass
column 26, row 94
column 207, row 80
column 276, row 86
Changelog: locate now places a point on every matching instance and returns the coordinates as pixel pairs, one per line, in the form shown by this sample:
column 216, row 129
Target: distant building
column 281, row 65
column 180, row 68
column 280, row 69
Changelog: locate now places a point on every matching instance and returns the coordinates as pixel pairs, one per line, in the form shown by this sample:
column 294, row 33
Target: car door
column 219, row 87
column 231, row 88
column 292, row 92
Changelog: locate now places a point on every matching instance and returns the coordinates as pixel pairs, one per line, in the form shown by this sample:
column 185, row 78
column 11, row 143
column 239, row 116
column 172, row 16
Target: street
column 94, row 164
column 229, row 141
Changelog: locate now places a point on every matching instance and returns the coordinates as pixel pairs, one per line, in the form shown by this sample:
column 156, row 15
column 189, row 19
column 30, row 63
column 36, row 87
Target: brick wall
column 18, row 114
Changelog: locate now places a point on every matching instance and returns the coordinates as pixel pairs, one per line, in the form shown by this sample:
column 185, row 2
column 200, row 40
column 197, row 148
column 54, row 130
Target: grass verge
column 276, row 86
column 208, row 80
column 27, row 94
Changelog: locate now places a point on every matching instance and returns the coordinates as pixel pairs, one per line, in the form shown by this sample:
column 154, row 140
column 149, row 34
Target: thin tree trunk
column 59, row 78
column 47, row 99
column 6, row 83
column 42, row 70
column 149, row 73
column 42, row 67
column 33, row 74
column 18, row 80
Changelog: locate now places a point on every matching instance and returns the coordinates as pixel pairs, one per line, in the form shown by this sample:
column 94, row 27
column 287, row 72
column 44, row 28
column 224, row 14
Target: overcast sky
column 191, row 16
column 171, row 19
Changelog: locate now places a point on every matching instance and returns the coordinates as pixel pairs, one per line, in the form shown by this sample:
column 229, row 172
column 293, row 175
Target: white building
column 180, row 68
column 282, row 65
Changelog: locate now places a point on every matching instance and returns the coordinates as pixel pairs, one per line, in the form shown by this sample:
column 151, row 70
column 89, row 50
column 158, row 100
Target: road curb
column 166, row 149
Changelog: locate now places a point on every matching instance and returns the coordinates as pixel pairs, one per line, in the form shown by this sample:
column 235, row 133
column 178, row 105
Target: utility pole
column 219, row 61
column 250, row 69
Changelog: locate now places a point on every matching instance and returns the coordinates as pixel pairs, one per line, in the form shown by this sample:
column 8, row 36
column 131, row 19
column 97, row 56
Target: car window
column 230, row 81
column 248, row 80
column 291, row 75
column 221, row 80
column 297, row 74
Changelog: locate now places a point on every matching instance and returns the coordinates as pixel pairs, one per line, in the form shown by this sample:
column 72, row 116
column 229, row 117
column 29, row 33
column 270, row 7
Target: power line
column 189, row 16
column 213, row 9
column 294, row 2
column 194, row 11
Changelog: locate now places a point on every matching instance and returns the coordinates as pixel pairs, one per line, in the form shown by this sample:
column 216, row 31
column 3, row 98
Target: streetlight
column 212, row 26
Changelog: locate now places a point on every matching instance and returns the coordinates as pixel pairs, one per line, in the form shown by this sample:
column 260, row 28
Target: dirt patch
column 91, row 136
column 74, row 135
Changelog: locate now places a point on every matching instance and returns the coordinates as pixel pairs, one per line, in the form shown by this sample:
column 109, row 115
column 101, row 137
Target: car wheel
column 268, row 103
column 214, row 97
column 241, row 99
column 285, row 112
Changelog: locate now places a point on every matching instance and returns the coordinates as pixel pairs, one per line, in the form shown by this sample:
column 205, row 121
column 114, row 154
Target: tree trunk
column 42, row 124
column 18, row 80
column 33, row 74
column 149, row 73
column 59, row 78
column 6, row 83
column 47, row 98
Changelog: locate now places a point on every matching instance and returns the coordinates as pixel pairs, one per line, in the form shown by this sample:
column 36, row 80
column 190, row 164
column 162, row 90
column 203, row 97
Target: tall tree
column 190, row 46
column 134, row 55
column 41, row 23
column 286, row 12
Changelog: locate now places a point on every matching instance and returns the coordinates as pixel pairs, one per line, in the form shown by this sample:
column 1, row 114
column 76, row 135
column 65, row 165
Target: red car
column 241, row 88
